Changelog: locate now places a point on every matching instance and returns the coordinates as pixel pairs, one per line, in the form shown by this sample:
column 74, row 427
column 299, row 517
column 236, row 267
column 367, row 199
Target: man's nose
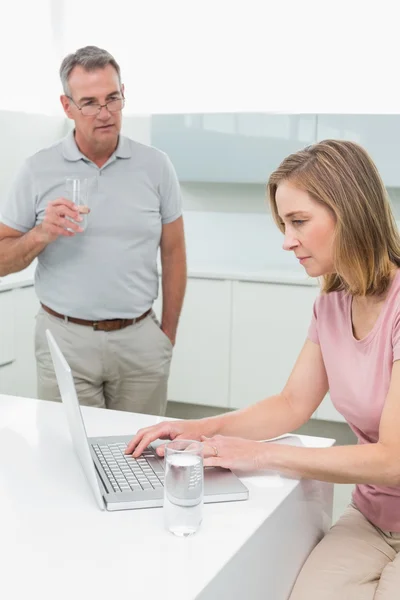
column 104, row 113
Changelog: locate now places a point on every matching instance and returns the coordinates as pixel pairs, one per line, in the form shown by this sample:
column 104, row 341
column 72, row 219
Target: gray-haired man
column 97, row 286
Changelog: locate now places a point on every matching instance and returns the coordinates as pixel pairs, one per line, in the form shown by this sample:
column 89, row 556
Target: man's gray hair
column 90, row 58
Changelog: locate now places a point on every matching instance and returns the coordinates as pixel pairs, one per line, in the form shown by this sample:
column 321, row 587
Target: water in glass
column 183, row 492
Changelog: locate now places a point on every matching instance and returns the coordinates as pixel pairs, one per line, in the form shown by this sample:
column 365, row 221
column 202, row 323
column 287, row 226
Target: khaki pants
column 126, row 369
column 354, row 561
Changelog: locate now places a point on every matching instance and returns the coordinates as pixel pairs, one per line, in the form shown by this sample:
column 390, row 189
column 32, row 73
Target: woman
column 331, row 205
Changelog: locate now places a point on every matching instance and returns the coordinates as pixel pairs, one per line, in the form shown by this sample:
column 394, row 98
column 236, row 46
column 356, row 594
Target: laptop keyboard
column 126, row 473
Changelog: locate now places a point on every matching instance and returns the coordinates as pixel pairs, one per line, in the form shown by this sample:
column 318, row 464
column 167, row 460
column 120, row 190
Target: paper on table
column 289, row 439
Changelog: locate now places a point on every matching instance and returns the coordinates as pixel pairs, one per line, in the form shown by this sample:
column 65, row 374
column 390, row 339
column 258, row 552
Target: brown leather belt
column 106, row 325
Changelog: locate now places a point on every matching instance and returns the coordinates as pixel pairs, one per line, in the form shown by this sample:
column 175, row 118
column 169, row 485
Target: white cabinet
column 7, row 321
column 230, row 147
column 269, row 327
column 18, row 308
column 237, row 342
column 378, row 134
column 200, row 363
column 7, row 343
column 26, row 308
column 9, row 378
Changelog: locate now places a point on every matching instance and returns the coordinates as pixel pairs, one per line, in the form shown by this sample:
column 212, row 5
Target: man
column 97, row 286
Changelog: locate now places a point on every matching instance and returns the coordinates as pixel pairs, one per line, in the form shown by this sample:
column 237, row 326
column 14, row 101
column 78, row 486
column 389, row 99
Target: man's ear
column 66, row 104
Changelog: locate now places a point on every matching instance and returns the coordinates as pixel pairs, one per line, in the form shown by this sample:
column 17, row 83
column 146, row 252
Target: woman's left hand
column 232, row 453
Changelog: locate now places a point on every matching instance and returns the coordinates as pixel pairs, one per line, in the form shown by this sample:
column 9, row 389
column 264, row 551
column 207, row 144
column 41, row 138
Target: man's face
column 98, row 132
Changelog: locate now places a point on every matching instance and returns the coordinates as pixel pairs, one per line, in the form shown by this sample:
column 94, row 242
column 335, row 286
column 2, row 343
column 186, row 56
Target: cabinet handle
column 7, row 362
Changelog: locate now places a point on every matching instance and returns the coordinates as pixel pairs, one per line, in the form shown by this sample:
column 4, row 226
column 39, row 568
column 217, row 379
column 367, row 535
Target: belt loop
column 65, row 319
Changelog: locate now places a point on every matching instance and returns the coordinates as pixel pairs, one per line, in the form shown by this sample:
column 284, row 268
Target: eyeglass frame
column 99, row 105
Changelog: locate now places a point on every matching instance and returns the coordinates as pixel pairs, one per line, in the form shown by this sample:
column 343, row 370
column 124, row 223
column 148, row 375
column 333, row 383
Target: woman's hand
column 232, row 453
column 168, row 430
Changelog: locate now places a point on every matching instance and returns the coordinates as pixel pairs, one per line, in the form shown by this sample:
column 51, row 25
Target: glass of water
column 77, row 190
column 183, row 486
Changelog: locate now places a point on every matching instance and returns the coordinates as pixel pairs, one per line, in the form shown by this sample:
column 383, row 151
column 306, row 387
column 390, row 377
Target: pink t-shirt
column 359, row 374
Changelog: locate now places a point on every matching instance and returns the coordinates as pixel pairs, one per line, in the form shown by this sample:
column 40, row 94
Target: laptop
column 119, row 481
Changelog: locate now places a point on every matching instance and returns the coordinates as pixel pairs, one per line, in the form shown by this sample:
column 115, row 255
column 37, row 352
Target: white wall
column 24, row 134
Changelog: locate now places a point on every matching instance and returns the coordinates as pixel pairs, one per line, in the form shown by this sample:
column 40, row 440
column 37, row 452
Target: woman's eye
column 298, row 222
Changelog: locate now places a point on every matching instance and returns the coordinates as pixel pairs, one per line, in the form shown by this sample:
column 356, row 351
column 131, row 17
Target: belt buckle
column 95, row 325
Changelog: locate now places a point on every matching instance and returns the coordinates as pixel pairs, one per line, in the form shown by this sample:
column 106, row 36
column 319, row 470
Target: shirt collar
column 123, row 149
column 71, row 151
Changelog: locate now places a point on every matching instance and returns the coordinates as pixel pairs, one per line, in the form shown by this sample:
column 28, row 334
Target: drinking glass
column 77, row 189
column 183, row 486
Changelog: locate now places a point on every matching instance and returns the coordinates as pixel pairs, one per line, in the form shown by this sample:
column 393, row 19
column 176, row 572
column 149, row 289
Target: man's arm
column 18, row 250
column 174, row 275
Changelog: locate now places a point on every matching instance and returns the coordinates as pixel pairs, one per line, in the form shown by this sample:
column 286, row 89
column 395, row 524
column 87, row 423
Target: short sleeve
column 396, row 337
column 19, row 209
column 313, row 328
column 170, row 193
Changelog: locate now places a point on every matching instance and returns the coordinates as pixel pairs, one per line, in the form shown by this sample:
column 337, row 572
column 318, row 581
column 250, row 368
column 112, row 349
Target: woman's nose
column 290, row 242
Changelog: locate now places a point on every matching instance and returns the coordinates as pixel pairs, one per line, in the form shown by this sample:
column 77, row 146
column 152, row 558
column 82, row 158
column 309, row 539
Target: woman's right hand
column 169, row 430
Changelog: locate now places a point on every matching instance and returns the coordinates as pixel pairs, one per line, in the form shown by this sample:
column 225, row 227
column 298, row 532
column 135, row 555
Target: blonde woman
column 331, row 205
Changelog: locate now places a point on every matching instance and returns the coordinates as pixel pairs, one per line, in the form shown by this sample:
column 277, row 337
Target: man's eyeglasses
column 90, row 109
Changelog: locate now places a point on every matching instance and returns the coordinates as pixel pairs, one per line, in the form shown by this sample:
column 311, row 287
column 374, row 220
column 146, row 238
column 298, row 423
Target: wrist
column 169, row 332
column 39, row 235
column 213, row 425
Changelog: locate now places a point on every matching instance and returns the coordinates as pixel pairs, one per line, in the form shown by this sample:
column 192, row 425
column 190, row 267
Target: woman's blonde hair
column 342, row 176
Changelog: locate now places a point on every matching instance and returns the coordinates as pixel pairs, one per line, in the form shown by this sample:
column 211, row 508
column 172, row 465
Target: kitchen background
column 248, row 303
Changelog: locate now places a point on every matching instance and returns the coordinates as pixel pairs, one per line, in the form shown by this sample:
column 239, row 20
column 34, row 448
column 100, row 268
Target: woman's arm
column 273, row 416
column 304, row 391
column 377, row 463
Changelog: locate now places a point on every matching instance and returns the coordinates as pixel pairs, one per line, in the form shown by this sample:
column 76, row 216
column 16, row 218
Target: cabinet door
column 378, row 134
column 7, row 335
column 26, row 308
column 230, row 147
column 269, row 327
column 9, row 378
column 200, row 363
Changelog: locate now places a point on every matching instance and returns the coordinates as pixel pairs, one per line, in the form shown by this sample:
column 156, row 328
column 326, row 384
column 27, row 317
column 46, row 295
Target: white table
column 56, row 543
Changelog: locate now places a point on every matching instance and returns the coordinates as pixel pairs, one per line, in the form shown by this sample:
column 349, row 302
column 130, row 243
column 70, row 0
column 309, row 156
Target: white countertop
column 242, row 272
column 57, row 543
column 247, row 273
column 20, row 279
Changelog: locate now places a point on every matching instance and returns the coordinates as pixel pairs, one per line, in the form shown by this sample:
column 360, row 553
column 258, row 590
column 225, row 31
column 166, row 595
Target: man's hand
column 61, row 216
column 170, row 336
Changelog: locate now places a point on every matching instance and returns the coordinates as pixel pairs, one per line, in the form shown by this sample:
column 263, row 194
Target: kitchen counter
column 57, row 540
column 233, row 272
column 242, row 273
column 16, row 280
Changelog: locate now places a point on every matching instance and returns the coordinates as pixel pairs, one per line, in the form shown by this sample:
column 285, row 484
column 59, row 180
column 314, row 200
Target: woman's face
column 309, row 229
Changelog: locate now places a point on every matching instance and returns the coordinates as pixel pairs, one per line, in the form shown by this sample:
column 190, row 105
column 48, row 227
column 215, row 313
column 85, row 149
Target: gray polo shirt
column 110, row 270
